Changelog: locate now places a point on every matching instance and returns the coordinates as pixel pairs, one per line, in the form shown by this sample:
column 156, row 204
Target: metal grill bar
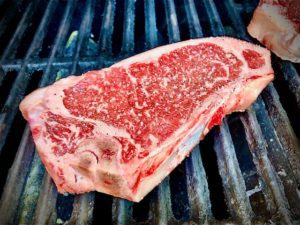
column 10, row 13
column 82, row 209
column 214, row 18
column 193, row 19
column 34, row 46
column 107, row 27
column 11, row 105
column 279, row 197
column 163, row 209
column 58, row 43
column 236, row 19
column 30, row 193
column 280, row 120
column 82, row 203
column 172, row 23
column 258, row 148
column 87, row 28
column 278, row 157
column 197, row 186
column 128, row 34
column 231, row 175
column 283, row 128
column 292, row 78
column 150, row 24
column 45, row 208
column 83, row 34
column 122, row 211
column 16, row 178
column 16, row 38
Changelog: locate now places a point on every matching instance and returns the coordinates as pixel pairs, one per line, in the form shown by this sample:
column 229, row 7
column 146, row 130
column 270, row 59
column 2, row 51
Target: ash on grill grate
column 245, row 171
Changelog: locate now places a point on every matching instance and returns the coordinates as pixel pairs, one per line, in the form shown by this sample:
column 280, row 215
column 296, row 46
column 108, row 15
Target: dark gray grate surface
column 245, row 171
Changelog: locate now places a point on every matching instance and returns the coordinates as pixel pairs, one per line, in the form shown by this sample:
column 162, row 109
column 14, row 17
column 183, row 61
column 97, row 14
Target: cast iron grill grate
column 247, row 170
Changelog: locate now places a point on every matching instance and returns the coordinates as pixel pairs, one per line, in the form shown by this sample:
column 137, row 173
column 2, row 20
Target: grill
column 245, row 171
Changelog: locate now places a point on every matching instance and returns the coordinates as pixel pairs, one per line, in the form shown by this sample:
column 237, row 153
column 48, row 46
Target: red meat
column 123, row 129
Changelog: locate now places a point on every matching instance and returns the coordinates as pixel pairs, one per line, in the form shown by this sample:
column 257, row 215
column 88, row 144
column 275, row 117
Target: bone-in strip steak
column 123, row 129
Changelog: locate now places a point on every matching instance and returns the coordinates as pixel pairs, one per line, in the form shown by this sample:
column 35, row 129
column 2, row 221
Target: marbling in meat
column 121, row 130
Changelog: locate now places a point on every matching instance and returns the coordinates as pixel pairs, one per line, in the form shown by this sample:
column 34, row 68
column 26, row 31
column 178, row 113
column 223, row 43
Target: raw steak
column 276, row 24
column 123, row 129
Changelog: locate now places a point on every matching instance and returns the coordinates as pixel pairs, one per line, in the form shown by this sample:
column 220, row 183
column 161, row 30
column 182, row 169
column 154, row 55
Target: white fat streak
column 132, row 112
column 132, row 78
column 138, row 106
column 102, row 107
column 164, row 82
column 145, row 92
column 95, row 87
column 154, row 140
column 146, row 113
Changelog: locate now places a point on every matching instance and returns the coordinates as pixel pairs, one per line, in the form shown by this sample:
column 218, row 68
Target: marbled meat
column 121, row 130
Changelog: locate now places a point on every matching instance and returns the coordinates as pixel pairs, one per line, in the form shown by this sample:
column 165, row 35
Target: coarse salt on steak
column 123, row 129
column 276, row 24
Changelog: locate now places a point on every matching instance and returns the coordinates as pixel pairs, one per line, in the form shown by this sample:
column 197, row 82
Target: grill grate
column 245, row 171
